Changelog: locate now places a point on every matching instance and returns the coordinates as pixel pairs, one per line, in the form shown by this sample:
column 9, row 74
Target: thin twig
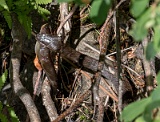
column 112, row 12
column 113, row 96
column 147, row 68
column 118, row 58
column 67, row 17
column 74, row 106
column 108, row 58
column 124, row 50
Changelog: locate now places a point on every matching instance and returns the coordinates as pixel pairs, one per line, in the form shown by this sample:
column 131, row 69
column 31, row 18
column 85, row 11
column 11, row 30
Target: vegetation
column 146, row 26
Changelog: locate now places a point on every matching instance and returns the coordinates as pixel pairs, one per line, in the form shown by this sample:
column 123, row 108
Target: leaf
column 43, row 1
column 14, row 117
column 139, row 30
column 149, row 109
column 140, row 119
column 133, row 110
column 138, row 7
column 43, row 11
column 3, row 118
column 21, row 3
column 150, row 51
column 26, row 23
column 99, row 10
column 4, row 5
column 155, row 103
column 156, row 38
column 155, row 94
column 157, row 120
column 3, row 79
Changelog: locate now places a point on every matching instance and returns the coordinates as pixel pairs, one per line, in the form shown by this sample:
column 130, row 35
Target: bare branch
column 65, row 20
column 47, row 101
column 18, row 36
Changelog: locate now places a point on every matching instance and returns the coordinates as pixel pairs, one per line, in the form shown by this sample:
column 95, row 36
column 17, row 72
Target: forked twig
column 74, row 106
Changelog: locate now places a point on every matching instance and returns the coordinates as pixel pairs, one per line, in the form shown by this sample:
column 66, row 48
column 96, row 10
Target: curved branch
column 18, row 35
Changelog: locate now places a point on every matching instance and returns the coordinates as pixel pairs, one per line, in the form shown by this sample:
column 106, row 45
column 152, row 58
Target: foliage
column 3, row 79
column 23, row 8
column 3, row 117
column 99, row 9
column 147, row 20
column 141, row 111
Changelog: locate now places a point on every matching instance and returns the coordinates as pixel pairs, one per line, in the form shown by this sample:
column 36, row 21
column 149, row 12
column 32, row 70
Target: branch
column 47, row 101
column 67, row 17
column 74, row 106
column 118, row 57
column 18, row 35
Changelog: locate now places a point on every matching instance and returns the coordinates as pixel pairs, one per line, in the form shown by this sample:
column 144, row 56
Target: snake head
column 52, row 42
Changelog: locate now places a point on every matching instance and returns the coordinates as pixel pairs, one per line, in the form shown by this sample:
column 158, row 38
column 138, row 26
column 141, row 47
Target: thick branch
column 18, row 35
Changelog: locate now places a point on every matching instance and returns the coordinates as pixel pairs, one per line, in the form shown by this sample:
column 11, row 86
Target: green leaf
column 139, row 30
column 4, row 5
column 140, row 119
column 26, row 23
column 156, row 38
column 155, row 94
column 155, row 103
column 21, row 3
column 138, row 7
column 14, row 117
column 43, row 1
column 43, row 11
column 156, row 120
column 150, row 51
column 133, row 110
column 3, row 79
column 150, row 23
column 149, row 109
column 3, row 118
column 99, row 10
